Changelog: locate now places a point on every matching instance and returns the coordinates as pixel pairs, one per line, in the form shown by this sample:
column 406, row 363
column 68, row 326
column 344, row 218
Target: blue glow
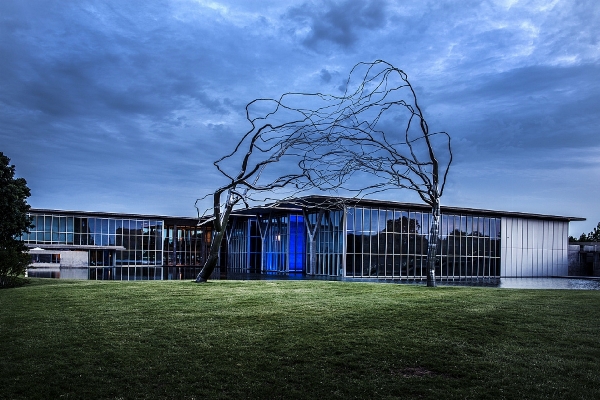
column 271, row 262
column 275, row 259
column 297, row 246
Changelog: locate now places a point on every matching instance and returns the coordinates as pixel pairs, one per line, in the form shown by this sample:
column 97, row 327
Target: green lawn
column 296, row 339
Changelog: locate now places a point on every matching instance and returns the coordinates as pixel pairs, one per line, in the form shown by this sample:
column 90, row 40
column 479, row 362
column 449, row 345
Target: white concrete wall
column 74, row 259
column 74, row 265
column 534, row 248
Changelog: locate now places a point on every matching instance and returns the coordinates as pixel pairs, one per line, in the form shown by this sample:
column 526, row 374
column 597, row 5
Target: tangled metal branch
column 371, row 138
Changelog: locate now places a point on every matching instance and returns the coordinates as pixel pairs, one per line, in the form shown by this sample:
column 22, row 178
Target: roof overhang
column 328, row 202
column 34, row 248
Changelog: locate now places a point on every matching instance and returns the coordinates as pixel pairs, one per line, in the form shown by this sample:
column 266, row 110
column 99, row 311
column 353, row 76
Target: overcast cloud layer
column 122, row 106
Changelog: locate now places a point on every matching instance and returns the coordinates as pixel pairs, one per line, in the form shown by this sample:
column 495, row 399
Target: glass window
column 350, row 220
column 47, row 223
column 119, row 226
column 135, row 226
column 366, row 221
column 375, row 228
column 104, row 224
column 92, row 225
column 358, row 221
column 55, row 229
column 62, row 224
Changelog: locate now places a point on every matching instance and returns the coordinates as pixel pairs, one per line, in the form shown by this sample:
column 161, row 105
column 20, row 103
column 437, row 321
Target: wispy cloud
column 124, row 98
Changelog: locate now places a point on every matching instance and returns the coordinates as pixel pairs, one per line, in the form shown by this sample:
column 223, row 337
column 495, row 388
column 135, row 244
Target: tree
column 13, row 222
column 573, row 239
column 594, row 235
column 373, row 137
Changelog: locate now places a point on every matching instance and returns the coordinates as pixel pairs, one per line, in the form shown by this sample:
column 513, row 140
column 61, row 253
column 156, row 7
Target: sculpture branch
column 330, row 143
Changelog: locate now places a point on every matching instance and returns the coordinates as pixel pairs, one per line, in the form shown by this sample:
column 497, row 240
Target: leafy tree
column 13, row 222
column 594, row 235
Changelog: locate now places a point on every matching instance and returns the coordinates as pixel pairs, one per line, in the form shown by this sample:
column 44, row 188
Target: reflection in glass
column 394, row 245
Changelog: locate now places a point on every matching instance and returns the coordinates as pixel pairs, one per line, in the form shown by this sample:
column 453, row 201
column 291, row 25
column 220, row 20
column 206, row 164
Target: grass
column 296, row 339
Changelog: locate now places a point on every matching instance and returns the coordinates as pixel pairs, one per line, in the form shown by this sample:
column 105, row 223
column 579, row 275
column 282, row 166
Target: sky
column 123, row 106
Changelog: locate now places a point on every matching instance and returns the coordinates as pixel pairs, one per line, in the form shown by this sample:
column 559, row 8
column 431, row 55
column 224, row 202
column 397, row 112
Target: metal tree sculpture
column 371, row 138
column 378, row 132
column 269, row 141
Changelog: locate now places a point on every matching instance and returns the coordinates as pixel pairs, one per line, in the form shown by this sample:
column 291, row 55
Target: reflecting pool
column 550, row 283
column 591, row 283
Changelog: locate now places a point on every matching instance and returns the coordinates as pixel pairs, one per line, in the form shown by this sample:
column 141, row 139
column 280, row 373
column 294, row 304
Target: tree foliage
column 593, row 236
column 13, row 222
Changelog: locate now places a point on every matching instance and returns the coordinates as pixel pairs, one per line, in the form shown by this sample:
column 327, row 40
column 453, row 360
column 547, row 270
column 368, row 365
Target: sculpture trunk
column 213, row 258
column 220, row 225
column 432, row 246
column 209, row 265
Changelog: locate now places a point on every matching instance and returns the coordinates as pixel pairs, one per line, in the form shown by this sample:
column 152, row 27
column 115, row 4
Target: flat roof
column 313, row 202
column 101, row 214
column 317, row 201
column 33, row 247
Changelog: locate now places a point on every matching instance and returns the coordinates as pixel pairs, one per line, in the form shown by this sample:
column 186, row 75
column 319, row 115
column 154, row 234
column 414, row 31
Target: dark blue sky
column 122, row 106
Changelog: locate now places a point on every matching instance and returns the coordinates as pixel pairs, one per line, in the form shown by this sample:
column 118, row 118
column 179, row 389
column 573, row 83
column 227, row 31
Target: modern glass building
column 115, row 246
column 314, row 236
column 369, row 239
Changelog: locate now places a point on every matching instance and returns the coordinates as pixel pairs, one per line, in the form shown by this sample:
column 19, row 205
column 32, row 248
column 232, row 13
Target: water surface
column 550, row 283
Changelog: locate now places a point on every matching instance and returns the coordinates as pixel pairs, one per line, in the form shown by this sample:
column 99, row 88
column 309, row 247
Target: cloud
column 325, row 76
column 536, row 107
column 147, row 95
column 339, row 23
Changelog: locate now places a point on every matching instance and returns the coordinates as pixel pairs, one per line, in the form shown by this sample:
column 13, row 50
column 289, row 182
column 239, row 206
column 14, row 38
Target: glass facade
column 369, row 239
column 45, row 258
column 239, row 234
column 275, row 242
column 51, row 229
column 122, row 248
column 297, row 245
column 266, row 244
column 386, row 243
column 127, row 241
column 470, row 247
column 364, row 242
column 118, row 248
column 185, row 250
column 392, row 243
column 328, row 243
